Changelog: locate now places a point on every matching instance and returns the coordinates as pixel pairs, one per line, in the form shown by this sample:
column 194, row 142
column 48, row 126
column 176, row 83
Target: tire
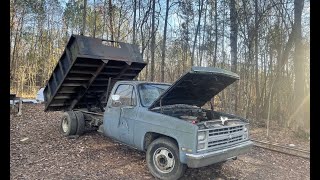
column 163, row 159
column 80, row 122
column 68, row 124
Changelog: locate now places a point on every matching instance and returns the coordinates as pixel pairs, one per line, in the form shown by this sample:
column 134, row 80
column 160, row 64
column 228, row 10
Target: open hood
column 196, row 87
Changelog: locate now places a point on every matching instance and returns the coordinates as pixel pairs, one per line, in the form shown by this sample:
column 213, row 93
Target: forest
column 266, row 42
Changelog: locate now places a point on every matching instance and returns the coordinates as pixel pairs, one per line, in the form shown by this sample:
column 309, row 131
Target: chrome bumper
column 205, row 159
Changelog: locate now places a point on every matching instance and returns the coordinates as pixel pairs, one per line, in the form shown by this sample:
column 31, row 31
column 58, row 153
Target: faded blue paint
column 130, row 125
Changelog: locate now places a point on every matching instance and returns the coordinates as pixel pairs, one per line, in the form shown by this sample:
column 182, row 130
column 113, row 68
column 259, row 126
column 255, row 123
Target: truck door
column 121, row 122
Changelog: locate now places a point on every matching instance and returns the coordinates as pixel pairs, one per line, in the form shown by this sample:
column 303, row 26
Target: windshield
column 150, row 92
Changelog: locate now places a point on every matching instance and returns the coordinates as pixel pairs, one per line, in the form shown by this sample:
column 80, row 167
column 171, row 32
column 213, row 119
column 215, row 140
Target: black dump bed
column 87, row 71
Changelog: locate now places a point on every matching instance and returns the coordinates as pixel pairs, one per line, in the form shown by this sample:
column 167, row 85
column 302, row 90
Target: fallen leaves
column 24, row 139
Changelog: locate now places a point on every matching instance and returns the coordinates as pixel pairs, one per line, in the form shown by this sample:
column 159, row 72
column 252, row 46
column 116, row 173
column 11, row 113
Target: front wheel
column 163, row 159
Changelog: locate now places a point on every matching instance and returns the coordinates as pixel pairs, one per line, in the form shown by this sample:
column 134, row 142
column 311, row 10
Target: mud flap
column 101, row 130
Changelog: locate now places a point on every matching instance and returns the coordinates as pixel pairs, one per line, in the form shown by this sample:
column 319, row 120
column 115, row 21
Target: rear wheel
column 68, row 124
column 80, row 122
column 163, row 159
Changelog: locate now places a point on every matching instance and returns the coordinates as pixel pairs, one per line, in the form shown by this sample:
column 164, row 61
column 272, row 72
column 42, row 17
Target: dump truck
column 94, row 83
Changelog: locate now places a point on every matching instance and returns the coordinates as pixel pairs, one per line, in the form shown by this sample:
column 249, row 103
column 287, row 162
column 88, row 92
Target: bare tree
column 134, row 21
column 299, row 72
column 197, row 30
column 233, row 45
column 215, row 31
column 163, row 55
column 153, row 39
column 84, row 17
column 104, row 19
column 110, row 11
column 95, row 18
column 256, row 45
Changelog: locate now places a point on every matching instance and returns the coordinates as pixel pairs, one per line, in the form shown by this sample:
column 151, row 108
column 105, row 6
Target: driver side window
column 127, row 95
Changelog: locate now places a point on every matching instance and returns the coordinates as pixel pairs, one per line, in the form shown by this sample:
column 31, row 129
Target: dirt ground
column 39, row 151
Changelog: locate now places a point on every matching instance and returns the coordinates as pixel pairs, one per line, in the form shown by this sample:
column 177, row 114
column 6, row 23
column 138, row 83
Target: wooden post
column 12, row 97
column 12, row 106
column 20, row 107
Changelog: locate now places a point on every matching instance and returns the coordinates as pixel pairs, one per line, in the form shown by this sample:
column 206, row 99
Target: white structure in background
column 40, row 97
column 24, row 101
column 18, row 100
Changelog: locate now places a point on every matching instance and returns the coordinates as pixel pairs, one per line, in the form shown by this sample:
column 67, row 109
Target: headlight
column 246, row 131
column 201, row 146
column 201, row 135
column 245, row 136
column 246, row 127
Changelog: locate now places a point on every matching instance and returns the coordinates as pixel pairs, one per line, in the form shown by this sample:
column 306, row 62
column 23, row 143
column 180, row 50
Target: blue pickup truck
column 167, row 121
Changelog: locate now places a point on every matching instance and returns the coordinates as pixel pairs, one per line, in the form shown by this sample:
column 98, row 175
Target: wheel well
column 151, row 136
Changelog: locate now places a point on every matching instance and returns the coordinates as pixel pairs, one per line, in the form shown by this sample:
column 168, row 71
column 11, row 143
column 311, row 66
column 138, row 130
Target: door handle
column 127, row 107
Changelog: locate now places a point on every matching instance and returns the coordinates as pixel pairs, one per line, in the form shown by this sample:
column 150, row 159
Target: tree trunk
column 147, row 67
column 119, row 24
column 233, row 46
column 134, row 21
column 163, row 56
column 203, row 36
column 111, row 19
column 216, row 33
column 16, row 49
column 95, row 19
column 153, row 39
column 256, row 30
column 83, row 31
column 104, row 18
column 197, row 30
column 298, row 60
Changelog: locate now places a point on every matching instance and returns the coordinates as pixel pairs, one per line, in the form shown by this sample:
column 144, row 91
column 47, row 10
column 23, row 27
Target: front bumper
column 205, row 159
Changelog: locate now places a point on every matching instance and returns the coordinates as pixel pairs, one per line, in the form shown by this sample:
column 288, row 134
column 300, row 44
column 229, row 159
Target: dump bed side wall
column 81, row 76
column 60, row 71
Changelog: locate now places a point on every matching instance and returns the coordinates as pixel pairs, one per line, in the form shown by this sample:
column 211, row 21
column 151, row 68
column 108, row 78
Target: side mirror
column 116, row 100
column 115, row 97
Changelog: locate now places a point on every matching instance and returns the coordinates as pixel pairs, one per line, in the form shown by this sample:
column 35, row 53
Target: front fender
column 183, row 132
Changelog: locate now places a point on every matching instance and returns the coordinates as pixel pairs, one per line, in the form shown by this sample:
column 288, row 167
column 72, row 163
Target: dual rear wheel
column 72, row 123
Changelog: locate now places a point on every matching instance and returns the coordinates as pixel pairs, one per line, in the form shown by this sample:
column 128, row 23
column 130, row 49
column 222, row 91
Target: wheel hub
column 163, row 160
column 65, row 124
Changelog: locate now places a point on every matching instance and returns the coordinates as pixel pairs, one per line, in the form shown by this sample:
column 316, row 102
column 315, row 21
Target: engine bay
column 204, row 118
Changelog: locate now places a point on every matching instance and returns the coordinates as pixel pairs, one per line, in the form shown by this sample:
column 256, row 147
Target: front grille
column 224, row 141
column 227, row 130
column 224, row 136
